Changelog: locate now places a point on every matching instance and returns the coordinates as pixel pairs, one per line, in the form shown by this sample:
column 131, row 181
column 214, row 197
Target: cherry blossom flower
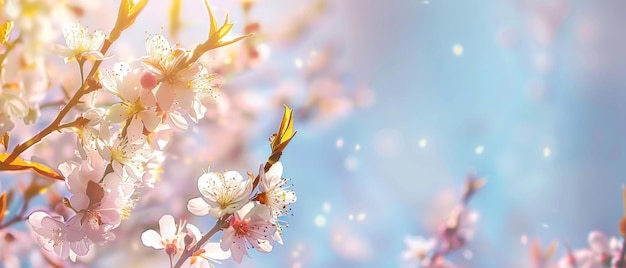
column 170, row 236
column 128, row 154
column 95, row 129
column 249, row 226
column 125, row 84
column 602, row 252
column 80, row 44
column 275, row 197
column 272, row 193
column 419, row 251
column 11, row 107
column 201, row 89
column 64, row 238
column 166, row 63
column 460, row 227
column 222, row 194
column 209, row 253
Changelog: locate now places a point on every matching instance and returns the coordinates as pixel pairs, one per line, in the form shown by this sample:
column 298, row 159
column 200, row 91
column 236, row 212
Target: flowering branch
column 124, row 20
column 454, row 234
column 190, row 250
column 278, row 142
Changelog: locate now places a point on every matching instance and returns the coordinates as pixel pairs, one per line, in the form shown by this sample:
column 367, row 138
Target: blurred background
column 396, row 102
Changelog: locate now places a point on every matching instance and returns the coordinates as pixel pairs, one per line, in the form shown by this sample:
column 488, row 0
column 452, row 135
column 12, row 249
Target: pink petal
column 227, row 238
column 598, row 242
column 165, row 96
column 150, row 119
column 185, row 97
column 147, row 98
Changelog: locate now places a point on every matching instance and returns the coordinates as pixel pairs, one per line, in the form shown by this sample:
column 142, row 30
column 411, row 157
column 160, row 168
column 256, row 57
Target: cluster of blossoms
column 455, row 233
column 601, row 252
column 248, row 218
column 116, row 143
column 120, row 144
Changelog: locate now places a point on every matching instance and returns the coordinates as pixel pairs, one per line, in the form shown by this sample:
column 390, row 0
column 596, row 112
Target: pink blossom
column 249, row 226
column 170, row 236
column 64, row 238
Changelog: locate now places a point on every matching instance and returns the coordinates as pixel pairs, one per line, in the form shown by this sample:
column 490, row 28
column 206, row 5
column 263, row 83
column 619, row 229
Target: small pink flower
column 210, row 252
column 170, row 236
column 418, row 250
column 602, row 252
column 249, row 226
column 64, row 238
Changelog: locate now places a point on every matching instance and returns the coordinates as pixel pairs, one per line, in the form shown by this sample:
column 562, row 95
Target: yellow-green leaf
column 5, row 140
column 285, row 131
column 175, row 22
column 3, row 206
column 21, row 164
column 212, row 20
column 135, row 8
column 5, row 30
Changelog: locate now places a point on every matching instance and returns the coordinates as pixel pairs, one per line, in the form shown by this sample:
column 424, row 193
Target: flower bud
column 170, row 249
column 148, row 80
column 188, row 240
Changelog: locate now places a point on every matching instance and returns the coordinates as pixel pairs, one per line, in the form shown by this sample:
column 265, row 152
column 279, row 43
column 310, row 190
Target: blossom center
column 241, row 228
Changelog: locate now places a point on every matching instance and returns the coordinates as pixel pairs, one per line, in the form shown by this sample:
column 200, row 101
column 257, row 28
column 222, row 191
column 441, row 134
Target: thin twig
column 188, row 252
column 18, row 217
column 84, row 89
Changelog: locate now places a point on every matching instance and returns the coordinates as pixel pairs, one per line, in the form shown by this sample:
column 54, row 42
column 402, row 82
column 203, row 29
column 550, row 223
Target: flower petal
column 198, row 206
column 151, row 238
column 215, row 252
column 165, row 96
column 167, row 226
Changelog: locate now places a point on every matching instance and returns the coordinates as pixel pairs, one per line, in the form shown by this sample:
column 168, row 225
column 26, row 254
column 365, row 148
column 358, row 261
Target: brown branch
column 188, row 252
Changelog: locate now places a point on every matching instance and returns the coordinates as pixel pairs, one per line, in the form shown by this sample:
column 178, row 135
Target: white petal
column 177, row 121
column 17, row 106
column 246, row 210
column 276, row 236
column 233, row 175
column 193, row 230
column 36, row 218
column 121, row 69
column 151, row 238
column 275, row 172
column 205, row 181
column 198, row 206
column 117, row 113
column 167, row 226
column 214, row 251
